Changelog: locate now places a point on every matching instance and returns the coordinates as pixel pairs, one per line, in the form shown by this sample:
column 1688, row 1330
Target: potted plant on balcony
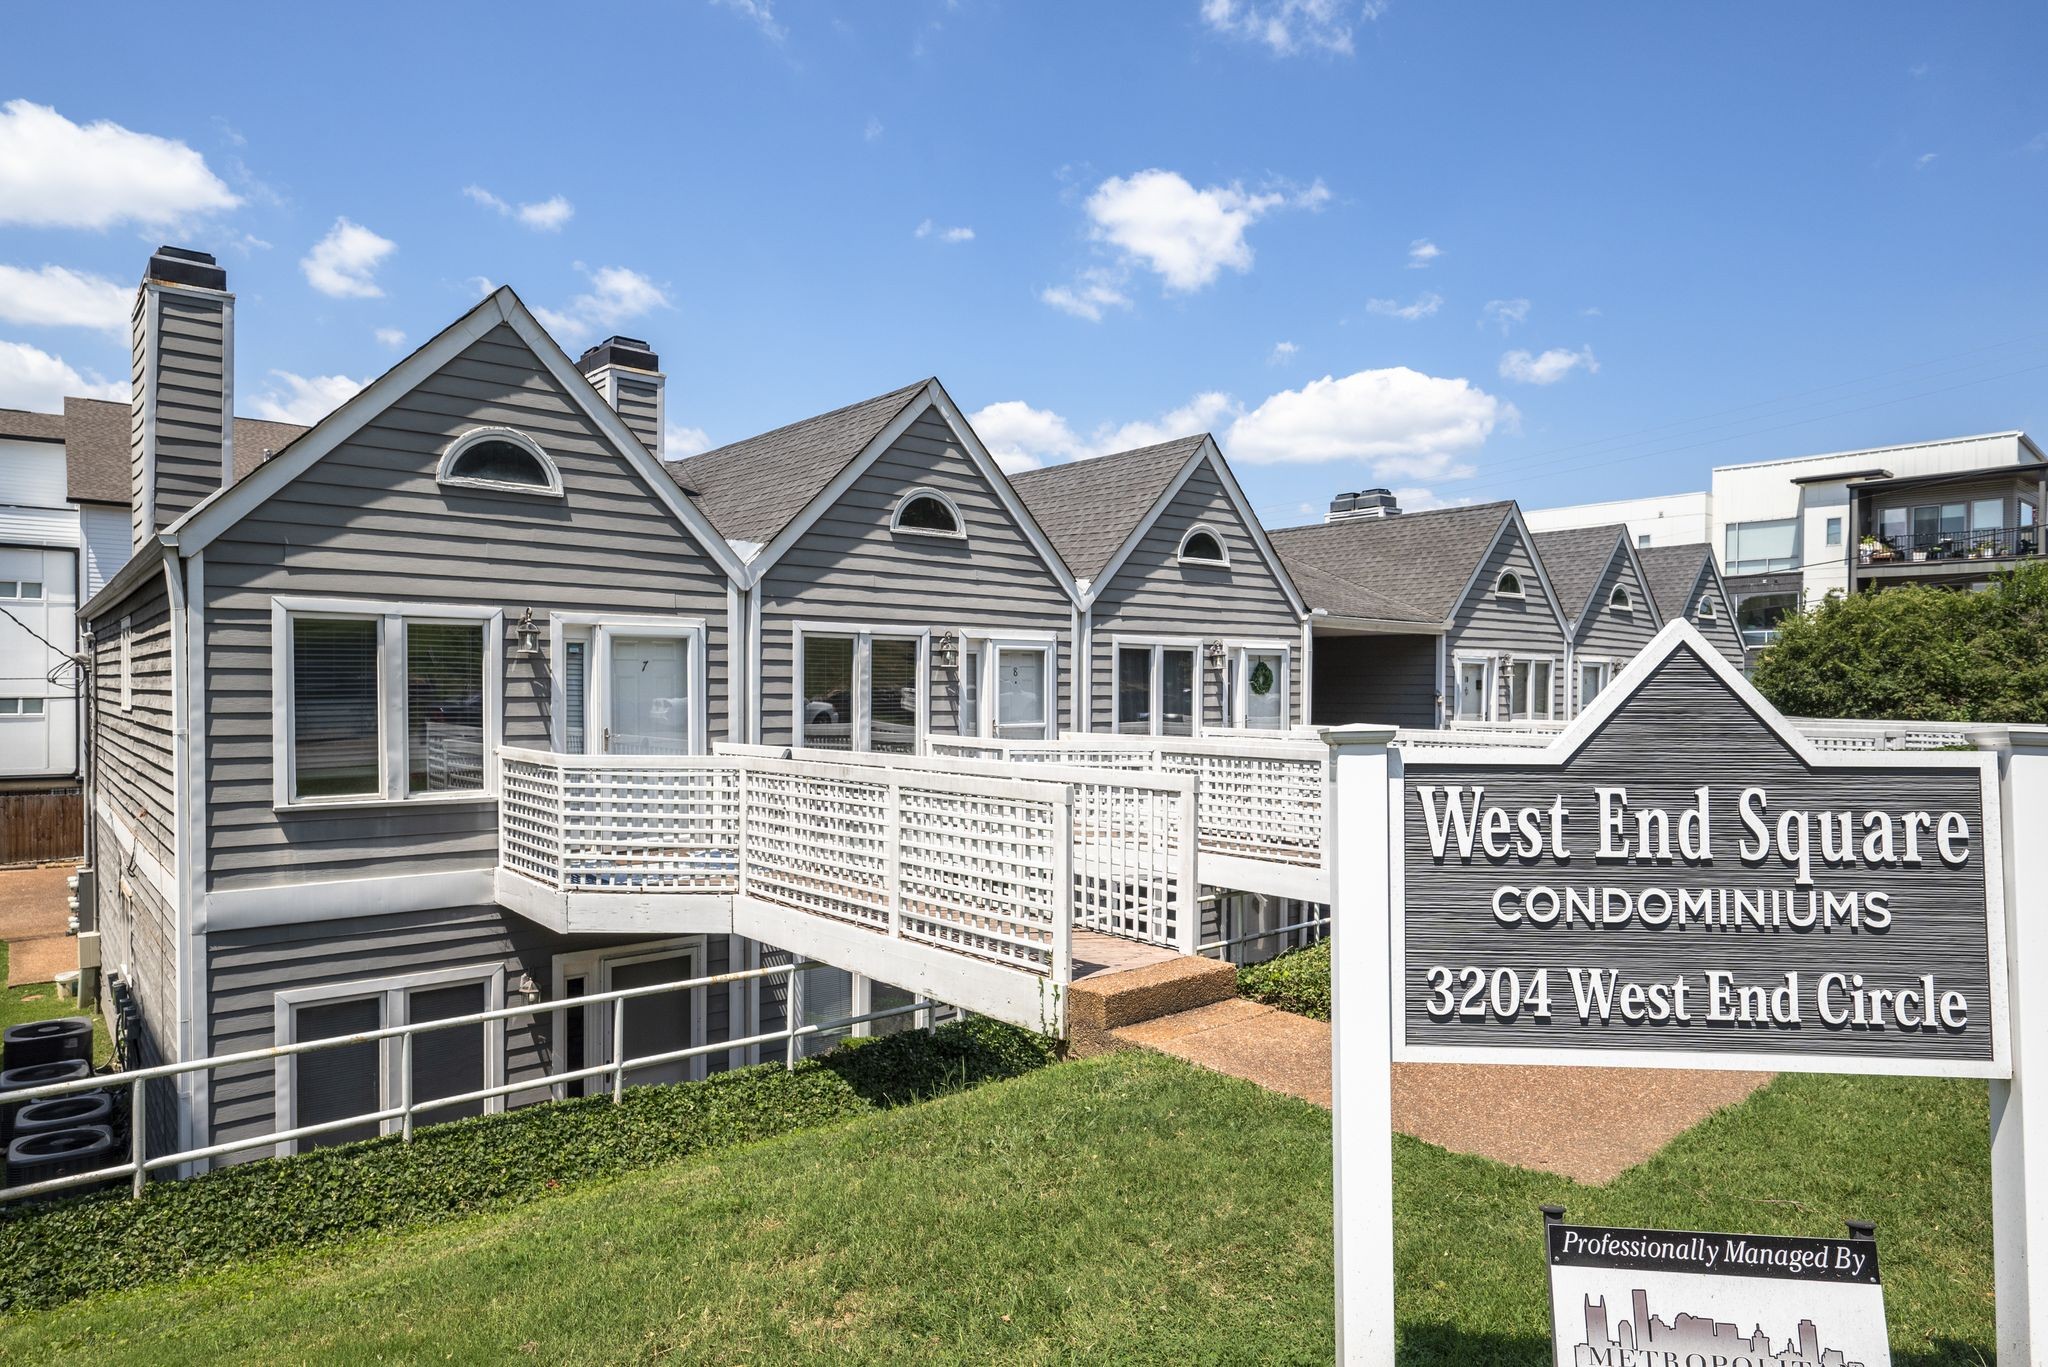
column 1874, row 551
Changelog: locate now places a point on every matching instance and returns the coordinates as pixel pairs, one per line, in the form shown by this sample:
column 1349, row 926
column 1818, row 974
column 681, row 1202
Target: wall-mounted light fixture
column 527, row 634
column 1213, row 652
column 527, row 989
column 946, row 648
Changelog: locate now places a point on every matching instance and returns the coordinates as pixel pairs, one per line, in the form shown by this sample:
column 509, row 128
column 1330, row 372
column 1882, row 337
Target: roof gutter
column 139, row 567
column 1383, row 625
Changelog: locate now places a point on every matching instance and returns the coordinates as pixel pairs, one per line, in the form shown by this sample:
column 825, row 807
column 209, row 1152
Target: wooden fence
column 39, row 827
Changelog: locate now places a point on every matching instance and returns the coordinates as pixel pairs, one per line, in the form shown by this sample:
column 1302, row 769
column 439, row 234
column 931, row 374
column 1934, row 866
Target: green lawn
column 40, row 1001
column 1128, row 1208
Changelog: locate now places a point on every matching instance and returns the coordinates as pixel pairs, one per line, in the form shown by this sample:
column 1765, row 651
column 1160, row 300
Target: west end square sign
column 1683, row 879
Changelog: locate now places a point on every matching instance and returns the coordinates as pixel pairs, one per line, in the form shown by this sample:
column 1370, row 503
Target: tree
column 1915, row 653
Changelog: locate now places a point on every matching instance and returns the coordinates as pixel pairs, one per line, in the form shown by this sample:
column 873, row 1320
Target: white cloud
column 35, row 379
column 872, row 129
column 1187, row 236
column 482, row 284
column 1205, row 412
column 1092, row 293
column 1423, row 307
column 343, row 263
column 930, row 229
column 1282, row 352
column 1504, row 313
column 1289, row 26
column 1924, row 160
column 57, row 297
column 391, row 337
column 1548, row 368
column 678, row 441
column 1421, row 252
column 762, row 12
column 1021, row 437
column 545, row 216
column 2037, row 143
column 305, row 399
column 617, row 295
column 1403, row 423
column 58, row 174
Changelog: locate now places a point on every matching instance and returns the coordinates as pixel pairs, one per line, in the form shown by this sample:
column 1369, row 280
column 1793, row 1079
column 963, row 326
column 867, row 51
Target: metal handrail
column 136, row 1080
column 1981, row 543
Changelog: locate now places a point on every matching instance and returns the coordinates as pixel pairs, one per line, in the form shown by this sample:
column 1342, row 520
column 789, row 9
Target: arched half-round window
column 1619, row 599
column 927, row 513
column 1201, row 546
column 500, row 459
column 1509, row 585
column 1706, row 609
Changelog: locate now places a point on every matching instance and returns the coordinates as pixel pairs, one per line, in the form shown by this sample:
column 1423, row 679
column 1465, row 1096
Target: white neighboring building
column 1782, row 529
column 1660, row 520
column 64, row 532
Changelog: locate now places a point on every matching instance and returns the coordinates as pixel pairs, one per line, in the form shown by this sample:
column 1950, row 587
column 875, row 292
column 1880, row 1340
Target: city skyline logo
column 1645, row 1337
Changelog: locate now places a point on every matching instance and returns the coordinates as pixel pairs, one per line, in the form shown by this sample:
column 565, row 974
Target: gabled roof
column 752, row 489
column 1672, row 573
column 1576, row 560
column 1090, row 507
column 95, row 434
column 223, row 508
column 1423, row 560
column 1339, row 597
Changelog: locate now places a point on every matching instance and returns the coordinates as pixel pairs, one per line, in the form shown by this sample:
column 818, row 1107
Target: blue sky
column 1470, row 252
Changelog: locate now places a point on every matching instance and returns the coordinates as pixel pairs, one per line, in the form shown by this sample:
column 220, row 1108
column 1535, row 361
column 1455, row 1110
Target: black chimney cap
column 183, row 266
column 630, row 352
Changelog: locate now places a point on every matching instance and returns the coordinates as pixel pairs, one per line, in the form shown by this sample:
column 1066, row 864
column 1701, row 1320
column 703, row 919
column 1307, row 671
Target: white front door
column 647, row 693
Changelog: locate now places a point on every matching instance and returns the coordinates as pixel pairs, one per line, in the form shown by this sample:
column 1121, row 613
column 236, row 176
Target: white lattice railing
column 1260, row 800
column 1895, row 735
column 972, row 864
column 1134, row 867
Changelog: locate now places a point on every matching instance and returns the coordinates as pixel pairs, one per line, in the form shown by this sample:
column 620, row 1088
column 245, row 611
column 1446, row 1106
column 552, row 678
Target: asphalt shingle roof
column 1088, row 507
column 1417, row 561
column 752, row 489
column 1576, row 560
column 95, row 436
column 1672, row 571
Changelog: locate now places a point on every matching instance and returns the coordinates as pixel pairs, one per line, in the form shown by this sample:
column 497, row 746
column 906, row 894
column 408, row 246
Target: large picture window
column 1761, row 547
column 1155, row 689
column 861, row 690
column 1530, row 695
column 383, row 702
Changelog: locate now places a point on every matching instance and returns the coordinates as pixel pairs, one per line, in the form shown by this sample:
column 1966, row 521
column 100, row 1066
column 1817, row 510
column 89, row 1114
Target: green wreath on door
column 1262, row 679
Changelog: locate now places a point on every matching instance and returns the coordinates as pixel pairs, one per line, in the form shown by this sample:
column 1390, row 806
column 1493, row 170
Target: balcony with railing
column 1947, row 550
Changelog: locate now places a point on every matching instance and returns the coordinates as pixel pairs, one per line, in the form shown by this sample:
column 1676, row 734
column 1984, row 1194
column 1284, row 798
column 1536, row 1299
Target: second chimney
column 182, row 427
column 628, row 373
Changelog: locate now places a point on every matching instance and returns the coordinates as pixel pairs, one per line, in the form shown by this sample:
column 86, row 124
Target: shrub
column 56, row 1253
column 1297, row 981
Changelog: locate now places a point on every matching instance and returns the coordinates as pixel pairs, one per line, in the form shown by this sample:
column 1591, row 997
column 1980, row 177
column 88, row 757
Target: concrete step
column 1106, row 1002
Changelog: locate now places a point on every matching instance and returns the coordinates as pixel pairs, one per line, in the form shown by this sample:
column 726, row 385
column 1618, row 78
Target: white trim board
column 336, row 899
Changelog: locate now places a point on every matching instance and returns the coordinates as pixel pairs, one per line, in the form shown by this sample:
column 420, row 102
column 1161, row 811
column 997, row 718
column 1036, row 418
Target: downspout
column 1083, row 669
column 184, row 913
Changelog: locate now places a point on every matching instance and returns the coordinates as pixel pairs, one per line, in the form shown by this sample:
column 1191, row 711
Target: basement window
column 502, row 460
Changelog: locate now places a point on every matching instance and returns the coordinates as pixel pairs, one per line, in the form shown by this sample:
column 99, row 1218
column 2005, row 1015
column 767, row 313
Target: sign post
column 1361, row 1043
column 1682, row 878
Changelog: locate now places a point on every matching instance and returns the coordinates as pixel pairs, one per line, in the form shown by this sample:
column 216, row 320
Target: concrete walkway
column 1508, row 1113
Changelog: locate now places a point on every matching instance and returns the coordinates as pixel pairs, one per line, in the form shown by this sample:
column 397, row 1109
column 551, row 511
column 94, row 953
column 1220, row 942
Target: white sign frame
column 1676, row 636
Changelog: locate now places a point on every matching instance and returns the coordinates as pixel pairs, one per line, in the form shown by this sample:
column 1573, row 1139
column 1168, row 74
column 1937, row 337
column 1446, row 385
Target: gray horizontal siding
column 1153, row 594
column 138, row 940
column 132, row 751
column 190, row 332
column 850, row 567
column 1487, row 623
column 246, row 969
column 1382, row 680
column 639, row 403
column 1706, row 596
column 1610, row 633
column 369, row 520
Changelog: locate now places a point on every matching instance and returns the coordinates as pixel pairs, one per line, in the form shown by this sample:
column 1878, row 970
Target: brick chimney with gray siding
column 628, row 373
column 181, row 415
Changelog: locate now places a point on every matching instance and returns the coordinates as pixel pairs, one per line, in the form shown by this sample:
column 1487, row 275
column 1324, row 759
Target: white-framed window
column 1256, row 686
column 628, row 685
column 327, row 1085
column 1475, row 700
column 15, row 708
column 658, row 1023
column 1835, row 531
column 927, row 512
column 1530, row 689
column 1621, row 600
column 1707, row 609
column 1594, row 675
column 501, row 459
column 1203, row 546
column 384, row 701
column 26, row 590
column 1509, row 585
column 1158, row 687
column 1761, row 547
column 127, row 668
column 860, row 688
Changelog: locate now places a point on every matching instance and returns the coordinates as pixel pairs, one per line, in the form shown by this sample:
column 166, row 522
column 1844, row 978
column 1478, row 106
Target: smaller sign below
column 1651, row 1297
